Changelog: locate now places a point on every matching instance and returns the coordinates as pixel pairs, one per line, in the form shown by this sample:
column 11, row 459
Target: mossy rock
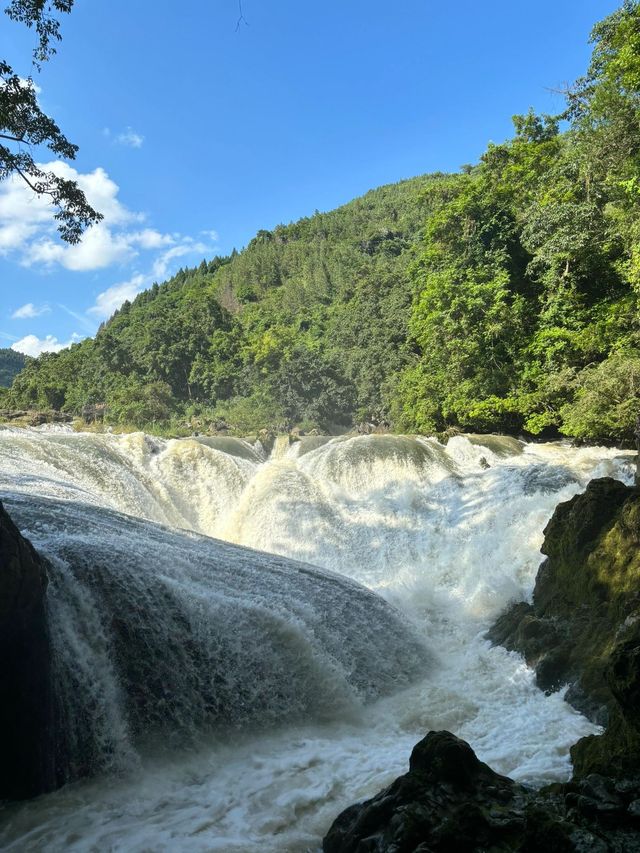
column 583, row 627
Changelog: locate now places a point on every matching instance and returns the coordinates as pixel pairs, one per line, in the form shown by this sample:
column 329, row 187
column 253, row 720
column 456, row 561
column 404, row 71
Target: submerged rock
column 162, row 638
column 27, row 765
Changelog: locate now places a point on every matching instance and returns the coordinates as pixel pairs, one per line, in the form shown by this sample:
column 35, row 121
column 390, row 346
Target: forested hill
column 11, row 363
column 307, row 325
column 504, row 297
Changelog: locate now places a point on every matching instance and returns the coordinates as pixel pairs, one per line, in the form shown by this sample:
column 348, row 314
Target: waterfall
column 244, row 688
column 160, row 637
column 280, row 447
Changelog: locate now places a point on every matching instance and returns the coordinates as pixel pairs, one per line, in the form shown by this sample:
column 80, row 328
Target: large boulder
column 583, row 627
column 27, row 725
column 449, row 801
column 446, row 800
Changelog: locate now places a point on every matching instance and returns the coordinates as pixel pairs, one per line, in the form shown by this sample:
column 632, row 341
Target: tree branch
column 241, row 19
column 30, row 185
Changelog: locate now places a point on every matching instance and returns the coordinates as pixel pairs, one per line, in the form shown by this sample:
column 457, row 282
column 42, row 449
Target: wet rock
column 27, row 766
column 583, row 627
column 13, row 414
column 546, row 478
column 447, row 801
column 267, row 439
column 450, row 801
column 25, row 417
column 634, row 808
column 500, row 445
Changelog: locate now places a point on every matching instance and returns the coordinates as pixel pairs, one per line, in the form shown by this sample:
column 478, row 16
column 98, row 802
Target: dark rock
column 27, row 766
column 35, row 418
column 504, row 631
column 634, row 808
column 94, row 412
column 545, row 478
column 450, row 801
column 583, row 627
column 49, row 417
column 551, row 668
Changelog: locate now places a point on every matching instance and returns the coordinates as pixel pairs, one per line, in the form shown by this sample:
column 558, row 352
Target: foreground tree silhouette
column 24, row 126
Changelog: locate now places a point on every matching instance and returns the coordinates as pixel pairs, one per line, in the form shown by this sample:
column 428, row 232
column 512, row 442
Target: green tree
column 24, row 126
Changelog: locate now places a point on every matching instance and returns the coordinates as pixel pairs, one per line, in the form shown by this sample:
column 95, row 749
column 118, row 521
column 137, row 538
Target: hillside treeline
column 11, row 363
column 504, row 297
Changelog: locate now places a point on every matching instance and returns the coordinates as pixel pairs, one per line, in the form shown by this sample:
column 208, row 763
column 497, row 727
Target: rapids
column 245, row 699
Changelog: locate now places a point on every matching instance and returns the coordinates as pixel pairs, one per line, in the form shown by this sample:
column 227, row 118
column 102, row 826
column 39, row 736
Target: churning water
column 226, row 699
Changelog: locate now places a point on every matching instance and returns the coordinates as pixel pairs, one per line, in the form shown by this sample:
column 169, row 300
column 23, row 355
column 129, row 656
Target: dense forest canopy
column 11, row 363
column 504, row 297
column 307, row 325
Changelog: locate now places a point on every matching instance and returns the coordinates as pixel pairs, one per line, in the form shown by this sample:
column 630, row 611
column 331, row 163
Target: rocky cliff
column 583, row 626
column 27, row 719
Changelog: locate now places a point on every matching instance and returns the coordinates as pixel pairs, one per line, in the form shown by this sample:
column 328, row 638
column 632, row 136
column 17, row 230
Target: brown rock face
column 27, row 755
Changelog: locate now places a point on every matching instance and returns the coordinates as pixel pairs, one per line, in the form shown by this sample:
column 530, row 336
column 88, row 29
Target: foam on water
column 162, row 637
column 448, row 535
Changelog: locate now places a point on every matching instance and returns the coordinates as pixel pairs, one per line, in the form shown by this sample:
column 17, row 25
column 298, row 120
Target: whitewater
column 229, row 698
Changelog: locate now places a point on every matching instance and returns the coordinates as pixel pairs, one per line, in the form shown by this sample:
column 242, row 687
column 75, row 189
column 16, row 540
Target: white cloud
column 111, row 299
column 151, row 239
column 28, row 233
column 22, row 215
column 35, row 346
column 27, row 226
column 100, row 247
column 130, row 138
column 30, row 310
column 101, row 192
column 88, row 325
column 25, row 83
column 162, row 264
column 14, row 235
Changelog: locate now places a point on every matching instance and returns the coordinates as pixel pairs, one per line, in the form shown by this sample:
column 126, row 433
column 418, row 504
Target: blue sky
column 194, row 134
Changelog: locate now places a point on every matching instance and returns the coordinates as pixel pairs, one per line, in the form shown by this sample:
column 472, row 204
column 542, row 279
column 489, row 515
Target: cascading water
column 163, row 636
column 236, row 701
